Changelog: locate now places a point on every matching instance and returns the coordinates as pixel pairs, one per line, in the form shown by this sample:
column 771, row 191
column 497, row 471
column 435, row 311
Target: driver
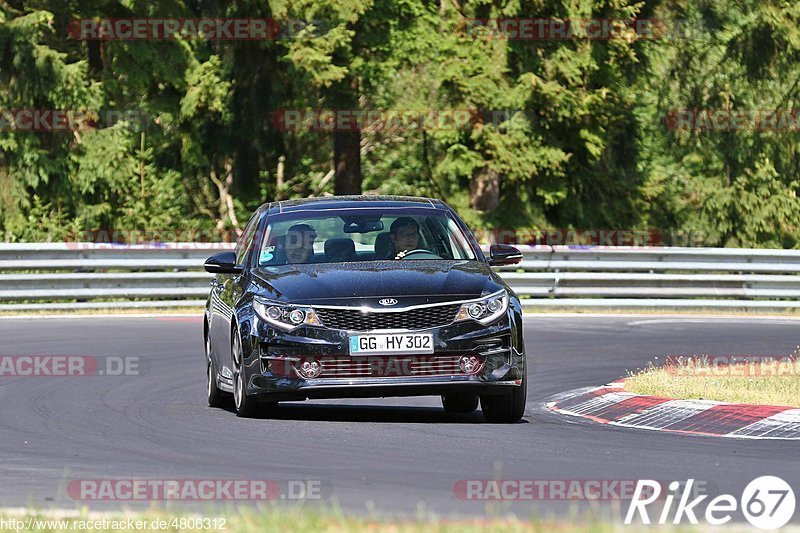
column 404, row 235
column 299, row 244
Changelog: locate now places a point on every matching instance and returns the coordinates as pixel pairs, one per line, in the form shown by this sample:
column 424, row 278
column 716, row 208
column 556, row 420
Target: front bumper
column 271, row 357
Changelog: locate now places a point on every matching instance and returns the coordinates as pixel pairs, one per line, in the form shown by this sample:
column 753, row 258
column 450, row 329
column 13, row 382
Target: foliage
column 560, row 133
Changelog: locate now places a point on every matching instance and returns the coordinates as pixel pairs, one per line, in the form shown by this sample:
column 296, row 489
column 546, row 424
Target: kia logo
column 387, row 301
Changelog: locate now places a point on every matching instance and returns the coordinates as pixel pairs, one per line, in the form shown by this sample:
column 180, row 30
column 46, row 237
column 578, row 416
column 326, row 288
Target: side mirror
column 223, row 263
column 503, row 254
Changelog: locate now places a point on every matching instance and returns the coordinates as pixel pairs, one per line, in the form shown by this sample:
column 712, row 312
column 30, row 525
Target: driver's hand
column 401, row 254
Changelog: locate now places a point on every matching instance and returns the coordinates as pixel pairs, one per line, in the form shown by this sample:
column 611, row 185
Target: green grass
column 305, row 520
column 752, row 383
column 298, row 520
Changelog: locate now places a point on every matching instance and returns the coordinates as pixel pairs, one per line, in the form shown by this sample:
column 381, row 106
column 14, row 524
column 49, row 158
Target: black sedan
column 363, row 296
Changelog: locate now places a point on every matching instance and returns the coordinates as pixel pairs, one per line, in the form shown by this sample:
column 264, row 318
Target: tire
column 216, row 397
column 246, row 406
column 507, row 408
column 460, row 403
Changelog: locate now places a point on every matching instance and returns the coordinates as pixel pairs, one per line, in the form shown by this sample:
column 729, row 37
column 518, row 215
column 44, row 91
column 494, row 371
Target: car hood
column 410, row 282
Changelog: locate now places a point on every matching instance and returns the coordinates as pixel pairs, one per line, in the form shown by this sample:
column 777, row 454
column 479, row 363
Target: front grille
column 393, row 366
column 356, row 320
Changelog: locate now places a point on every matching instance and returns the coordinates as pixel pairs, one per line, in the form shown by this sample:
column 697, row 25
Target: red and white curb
column 611, row 405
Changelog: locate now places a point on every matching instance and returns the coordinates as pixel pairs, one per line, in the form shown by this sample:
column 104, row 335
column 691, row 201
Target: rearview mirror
column 362, row 226
column 223, row 263
column 503, row 254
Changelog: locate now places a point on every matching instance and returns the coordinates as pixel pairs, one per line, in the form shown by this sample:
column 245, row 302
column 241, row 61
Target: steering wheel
column 419, row 252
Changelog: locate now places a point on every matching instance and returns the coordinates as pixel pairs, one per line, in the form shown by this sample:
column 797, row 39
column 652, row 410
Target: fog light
column 310, row 369
column 297, row 316
column 469, row 364
column 280, row 367
column 495, row 361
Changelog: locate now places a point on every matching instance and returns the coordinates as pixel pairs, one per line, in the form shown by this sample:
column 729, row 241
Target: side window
column 246, row 240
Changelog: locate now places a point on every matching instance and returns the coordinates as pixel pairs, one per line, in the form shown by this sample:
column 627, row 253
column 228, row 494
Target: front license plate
column 390, row 343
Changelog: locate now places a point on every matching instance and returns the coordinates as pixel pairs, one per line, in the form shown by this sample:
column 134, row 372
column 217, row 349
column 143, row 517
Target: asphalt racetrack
column 393, row 456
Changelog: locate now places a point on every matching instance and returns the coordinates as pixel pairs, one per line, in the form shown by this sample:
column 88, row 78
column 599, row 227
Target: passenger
column 299, row 244
column 404, row 235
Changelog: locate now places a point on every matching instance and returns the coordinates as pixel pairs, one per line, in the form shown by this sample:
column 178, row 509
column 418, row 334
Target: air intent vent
column 357, row 320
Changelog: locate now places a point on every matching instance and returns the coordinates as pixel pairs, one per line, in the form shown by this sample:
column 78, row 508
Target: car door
column 225, row 292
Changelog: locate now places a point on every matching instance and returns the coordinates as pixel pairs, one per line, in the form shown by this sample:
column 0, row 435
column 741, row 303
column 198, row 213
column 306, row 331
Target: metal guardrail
column 86, row 275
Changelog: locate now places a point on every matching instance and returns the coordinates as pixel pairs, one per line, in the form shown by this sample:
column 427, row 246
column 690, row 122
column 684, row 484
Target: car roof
column 324, row 203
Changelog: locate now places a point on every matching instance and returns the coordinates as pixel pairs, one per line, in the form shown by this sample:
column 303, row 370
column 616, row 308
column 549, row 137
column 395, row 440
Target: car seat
column 340, row 250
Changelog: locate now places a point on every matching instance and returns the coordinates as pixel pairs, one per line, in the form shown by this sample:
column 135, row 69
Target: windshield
column 301, row 238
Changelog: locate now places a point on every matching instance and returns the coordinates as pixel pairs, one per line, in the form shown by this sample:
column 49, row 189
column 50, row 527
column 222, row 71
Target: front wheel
column 507, row 408
column 246, row 406
column 216, row 397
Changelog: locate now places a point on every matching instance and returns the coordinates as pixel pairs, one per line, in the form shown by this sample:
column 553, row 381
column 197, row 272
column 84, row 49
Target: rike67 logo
column 767, row 502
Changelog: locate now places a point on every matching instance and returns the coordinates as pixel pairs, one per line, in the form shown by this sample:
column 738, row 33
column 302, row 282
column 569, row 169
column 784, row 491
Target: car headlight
column 284, row 316
column 486, row 310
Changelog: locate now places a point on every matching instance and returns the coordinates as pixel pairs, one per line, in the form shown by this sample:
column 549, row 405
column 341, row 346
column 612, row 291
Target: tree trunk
column 346, row 142
column 256, row 78
column 95, row 59
column 226, row 207
column 347, row 162
column 484, row 189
